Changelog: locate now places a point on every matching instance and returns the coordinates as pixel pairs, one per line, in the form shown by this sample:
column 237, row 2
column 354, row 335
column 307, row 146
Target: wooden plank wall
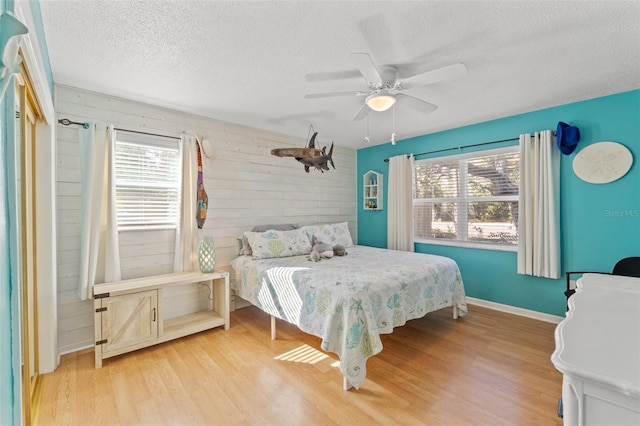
column 246, row 187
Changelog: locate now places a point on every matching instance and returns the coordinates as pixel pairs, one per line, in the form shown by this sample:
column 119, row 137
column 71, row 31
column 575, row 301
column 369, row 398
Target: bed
column 349, row 301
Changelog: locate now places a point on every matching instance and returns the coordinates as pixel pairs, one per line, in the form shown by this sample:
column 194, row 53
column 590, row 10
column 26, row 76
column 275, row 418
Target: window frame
column 152, row 141
column 462, row 201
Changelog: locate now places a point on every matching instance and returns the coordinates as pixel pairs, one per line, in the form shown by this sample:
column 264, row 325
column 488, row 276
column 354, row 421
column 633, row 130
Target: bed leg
column 455, row 312
column 345, row 384
column 273, row 327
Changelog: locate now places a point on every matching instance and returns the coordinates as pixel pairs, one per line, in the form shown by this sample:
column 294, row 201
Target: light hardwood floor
column 488, row 368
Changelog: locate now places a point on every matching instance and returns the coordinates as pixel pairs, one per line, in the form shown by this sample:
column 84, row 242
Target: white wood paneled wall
column 246, row 185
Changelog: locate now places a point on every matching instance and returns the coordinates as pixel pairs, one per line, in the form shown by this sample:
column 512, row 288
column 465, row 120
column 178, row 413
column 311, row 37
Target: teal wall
column 8, row 392
column 600, row 224
column 6, row 371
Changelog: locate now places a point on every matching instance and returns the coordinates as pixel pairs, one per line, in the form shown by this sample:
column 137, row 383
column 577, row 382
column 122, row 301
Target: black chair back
column 629, row 267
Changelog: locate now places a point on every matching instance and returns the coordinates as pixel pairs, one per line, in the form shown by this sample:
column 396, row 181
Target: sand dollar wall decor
column 602, row 162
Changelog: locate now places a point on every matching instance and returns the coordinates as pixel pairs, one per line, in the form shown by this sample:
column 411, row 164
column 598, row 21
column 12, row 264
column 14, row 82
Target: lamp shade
column 207, row 255
column 380, row 101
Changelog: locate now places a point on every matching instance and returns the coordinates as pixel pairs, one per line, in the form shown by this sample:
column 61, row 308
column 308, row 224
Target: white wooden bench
column 129, row 314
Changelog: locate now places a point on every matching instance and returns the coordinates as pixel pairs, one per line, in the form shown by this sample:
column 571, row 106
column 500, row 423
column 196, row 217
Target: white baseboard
column 241, row 303
column 516, row 311
column 63, row 350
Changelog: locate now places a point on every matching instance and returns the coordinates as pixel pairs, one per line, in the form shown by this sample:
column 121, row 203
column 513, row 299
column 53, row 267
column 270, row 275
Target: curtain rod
column 67, row 122
column 386, row 160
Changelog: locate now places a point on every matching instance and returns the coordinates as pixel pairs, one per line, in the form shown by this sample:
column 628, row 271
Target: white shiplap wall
column 246, row 185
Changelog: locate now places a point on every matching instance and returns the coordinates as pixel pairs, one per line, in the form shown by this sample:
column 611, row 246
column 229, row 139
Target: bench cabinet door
column 129, row 320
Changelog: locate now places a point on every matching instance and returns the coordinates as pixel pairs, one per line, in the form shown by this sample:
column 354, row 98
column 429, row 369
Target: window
column 148, row 177
column 466, row 199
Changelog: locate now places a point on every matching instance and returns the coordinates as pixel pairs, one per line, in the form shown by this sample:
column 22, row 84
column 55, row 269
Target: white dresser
column 598, row 352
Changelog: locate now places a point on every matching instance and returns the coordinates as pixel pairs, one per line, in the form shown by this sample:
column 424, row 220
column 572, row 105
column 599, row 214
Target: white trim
column 470, row 300
column 45, row 183
column 77, row 347
column 540, row 316
column 467, row 244
column 46, row 244
column 34, row 62
column 128, row 228
column 468, row 199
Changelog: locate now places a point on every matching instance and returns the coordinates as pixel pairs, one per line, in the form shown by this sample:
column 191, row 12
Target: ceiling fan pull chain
column 367, row 137
column 393, row 134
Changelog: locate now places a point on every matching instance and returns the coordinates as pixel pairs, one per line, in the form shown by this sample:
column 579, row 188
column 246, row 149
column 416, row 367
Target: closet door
column 26, row 116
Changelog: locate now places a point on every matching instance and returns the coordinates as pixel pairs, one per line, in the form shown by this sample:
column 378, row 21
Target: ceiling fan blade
column 362, row 113
column 417, row 103
column 366, row 66
column 337, row 75
column 331, row 94
column 377, row 35
column 430, row 77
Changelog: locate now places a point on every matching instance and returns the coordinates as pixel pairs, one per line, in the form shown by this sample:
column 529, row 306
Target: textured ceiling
column 252, row 62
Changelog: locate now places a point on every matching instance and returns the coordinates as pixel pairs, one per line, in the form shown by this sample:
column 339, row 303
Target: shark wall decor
column 310, row 156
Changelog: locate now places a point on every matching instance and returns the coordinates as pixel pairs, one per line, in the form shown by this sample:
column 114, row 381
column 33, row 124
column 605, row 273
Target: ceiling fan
column 385, row 88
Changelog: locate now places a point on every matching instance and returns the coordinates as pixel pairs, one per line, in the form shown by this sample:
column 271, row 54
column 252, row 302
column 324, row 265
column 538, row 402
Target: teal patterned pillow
column 271, row 244
column 330, row 233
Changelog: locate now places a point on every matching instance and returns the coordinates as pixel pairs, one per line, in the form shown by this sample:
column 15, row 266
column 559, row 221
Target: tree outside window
column 468, row 198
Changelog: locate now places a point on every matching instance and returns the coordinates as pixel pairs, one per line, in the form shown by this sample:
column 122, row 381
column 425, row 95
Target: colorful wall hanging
column 203, row 199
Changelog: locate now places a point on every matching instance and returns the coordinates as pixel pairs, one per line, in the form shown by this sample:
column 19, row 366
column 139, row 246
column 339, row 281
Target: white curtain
column 186, row 235
column 539, row 206
column 400, row 204
column 99, row 252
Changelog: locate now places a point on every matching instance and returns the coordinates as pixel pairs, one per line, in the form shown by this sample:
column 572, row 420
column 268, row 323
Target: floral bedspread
column 349, row 301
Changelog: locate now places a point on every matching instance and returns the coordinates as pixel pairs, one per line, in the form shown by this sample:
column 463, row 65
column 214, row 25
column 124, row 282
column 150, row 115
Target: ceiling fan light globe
column 380, row 101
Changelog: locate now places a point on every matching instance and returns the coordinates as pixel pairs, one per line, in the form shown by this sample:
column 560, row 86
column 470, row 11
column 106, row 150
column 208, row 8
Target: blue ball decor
column 207, row 255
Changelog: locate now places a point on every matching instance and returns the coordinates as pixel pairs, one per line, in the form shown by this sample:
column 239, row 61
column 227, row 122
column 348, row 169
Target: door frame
column 35, row 70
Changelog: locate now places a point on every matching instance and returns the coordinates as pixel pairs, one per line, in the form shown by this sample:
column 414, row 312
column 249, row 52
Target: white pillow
column 244, row 249
column 271, row 244
column 330, row 233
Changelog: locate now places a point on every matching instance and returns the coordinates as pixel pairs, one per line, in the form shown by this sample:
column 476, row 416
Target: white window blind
column 468, row 198
column 148, row 180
